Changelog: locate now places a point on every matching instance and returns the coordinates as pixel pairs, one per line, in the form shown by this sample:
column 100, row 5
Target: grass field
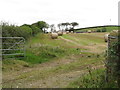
column 108, row 28
column 56, row 63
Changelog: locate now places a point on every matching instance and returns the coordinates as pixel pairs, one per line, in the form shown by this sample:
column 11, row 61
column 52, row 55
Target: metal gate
column 12, row 46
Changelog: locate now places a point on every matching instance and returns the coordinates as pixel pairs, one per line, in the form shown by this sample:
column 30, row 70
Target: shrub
column 103, row 30
column 35, row 30
column 25, row 31
column 98, row 30
column 112, row 60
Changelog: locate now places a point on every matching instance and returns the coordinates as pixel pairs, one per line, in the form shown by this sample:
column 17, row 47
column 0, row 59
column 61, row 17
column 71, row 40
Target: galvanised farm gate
column 12, row 46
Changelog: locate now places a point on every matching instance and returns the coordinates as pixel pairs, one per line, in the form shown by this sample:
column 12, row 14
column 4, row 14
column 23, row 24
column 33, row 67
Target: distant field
column 108, row 28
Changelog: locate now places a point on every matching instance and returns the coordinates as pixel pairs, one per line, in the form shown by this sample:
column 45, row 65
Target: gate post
column 112, row 57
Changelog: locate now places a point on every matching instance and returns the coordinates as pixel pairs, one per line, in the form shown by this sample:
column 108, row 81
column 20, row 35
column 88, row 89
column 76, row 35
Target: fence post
column 118, row 80
column 107, row 76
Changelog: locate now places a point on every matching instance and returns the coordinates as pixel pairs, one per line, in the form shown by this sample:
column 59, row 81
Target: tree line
column 28, row 30
column 64, row 26
column 25, row 30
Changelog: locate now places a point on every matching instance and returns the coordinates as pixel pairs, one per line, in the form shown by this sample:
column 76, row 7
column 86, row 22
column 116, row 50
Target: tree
column 67, row 24
column 35, row 29
column 41, row 25
column 73, row 24
column 25, row 31
column 26, row 25
column 64, row 25
column 59, row 26
column 52, row 27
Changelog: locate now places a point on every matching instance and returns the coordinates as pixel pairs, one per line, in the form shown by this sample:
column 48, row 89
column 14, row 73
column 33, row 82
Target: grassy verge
column 14, row 65
column 94, row 79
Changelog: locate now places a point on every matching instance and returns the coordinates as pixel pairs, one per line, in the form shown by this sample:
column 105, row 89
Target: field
column 59, row 63
column 98, row 28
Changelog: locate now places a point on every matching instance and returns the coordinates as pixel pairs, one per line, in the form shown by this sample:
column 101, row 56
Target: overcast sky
column 85, row 12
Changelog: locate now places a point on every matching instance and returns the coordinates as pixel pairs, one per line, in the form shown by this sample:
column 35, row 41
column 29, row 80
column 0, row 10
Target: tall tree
column 41, row 25
column 73, row 24
column 35, row 29
column 52, row 27
column 59, row 26
column 63, row 25
column 67, row 24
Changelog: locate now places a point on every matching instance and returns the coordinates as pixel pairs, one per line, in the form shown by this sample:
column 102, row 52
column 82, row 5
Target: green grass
column 91, row 80
column 79, row 64
column 94, row 79
column 85, row 39
column 42, row 48
column 14, row 65
column 108, row 28
column 43, row 54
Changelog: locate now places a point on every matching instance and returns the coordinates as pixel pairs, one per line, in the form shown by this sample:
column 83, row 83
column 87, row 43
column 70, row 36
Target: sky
column 87, row 13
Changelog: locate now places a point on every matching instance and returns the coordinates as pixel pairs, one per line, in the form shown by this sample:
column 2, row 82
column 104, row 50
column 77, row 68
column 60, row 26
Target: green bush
column 35, row 30
column 8, row 30
column 25, row 31
column 112, row 60
column 103, row 30
column 41, row 25
column 98, row 30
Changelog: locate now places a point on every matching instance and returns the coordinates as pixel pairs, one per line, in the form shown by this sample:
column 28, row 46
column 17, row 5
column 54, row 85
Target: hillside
column 55, row 63
column 98, row 28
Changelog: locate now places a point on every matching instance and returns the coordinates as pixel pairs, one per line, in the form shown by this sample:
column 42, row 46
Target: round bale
column 71, row 31
column 106, row 37
column 54, row 35
column 60, row 33
column 89, row 31
column 64, row 32
column 67, row 32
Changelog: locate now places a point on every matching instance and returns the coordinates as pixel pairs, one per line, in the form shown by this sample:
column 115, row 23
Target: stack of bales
column 89, row 31
column 106, row 37
column 60, row 33
column 54, row 35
